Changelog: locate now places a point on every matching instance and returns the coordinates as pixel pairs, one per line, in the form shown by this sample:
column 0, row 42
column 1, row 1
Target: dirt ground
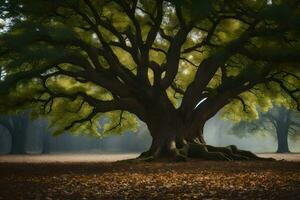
column 82, row 180
column 109, row 157
column 67, row 158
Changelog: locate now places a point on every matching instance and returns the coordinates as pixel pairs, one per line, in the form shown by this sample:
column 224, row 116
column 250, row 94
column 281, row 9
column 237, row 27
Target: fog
column 216, row 133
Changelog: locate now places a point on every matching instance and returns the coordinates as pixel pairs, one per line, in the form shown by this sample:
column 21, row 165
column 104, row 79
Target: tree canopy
column 80, row 61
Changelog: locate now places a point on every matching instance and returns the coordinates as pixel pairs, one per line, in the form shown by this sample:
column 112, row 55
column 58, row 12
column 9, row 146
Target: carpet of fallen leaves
column 131, row 180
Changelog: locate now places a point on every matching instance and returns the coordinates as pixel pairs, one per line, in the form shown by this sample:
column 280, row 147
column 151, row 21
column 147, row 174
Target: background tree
column 172, row 64
column 17, row 127
column 282, row 121
column 45, row 134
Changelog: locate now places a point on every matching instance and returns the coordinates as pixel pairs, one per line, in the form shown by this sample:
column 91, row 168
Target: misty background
column 217, row 133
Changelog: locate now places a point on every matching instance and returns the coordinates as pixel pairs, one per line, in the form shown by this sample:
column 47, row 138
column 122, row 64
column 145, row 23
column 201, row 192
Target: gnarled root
column 164, row 152
column 201, row 151
column 208, row 152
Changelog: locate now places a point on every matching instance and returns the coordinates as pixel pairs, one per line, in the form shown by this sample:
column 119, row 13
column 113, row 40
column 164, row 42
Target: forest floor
column 107, row 157
column 87, row 180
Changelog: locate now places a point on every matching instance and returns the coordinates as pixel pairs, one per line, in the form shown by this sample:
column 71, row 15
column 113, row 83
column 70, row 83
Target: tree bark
column 165, row 131
column 195, row 133
column 165, row 126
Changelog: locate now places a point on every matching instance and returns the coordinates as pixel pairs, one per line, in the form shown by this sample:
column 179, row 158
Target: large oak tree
column 172, row 64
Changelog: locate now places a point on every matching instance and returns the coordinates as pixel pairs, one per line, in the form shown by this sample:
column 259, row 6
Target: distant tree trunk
column 282, row 137
column 45, row 136
column 18, row 138
column 18, row 133
column 282, row 130
column 46, row 143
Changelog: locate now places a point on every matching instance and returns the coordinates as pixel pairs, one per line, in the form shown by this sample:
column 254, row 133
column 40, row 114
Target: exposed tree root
column 203, row 152
column 175, row 154
column 200, row 151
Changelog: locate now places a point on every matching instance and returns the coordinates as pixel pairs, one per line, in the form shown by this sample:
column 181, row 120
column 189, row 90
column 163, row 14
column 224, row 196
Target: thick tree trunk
column 175, row 138
column 165, row 126
column 194, row 133
column 168, row 143
column 282, row 139
column 166, row 138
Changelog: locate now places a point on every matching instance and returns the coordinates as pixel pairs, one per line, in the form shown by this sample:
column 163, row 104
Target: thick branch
column 173, row 56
